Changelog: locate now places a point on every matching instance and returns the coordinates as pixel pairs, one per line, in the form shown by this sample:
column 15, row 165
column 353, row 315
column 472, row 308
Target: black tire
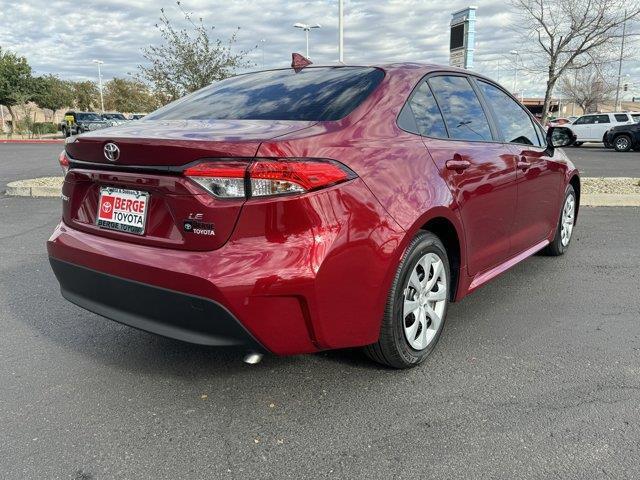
column 622, row 143
column 556, row 247
column 65, row 132
column 392, row 348
column 577, row 144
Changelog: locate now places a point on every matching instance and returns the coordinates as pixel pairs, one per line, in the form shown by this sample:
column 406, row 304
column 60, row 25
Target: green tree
column 85, row 95
column 16, row 82
column 129, row 96
column 188, row 59
column 51, row 93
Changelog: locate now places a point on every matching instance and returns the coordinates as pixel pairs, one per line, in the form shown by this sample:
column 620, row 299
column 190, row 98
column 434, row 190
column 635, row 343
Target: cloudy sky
column 63, row 37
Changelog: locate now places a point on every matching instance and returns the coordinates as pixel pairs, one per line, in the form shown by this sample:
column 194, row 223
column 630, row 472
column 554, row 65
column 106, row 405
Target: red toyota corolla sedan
column 298, row 210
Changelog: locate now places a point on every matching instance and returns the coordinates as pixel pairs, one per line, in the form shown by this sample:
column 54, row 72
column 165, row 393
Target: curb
column 610, row 200
column 26, row 188
column 34, row 140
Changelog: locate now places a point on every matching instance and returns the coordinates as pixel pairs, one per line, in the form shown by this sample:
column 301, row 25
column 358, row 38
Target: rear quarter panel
column 397, row 169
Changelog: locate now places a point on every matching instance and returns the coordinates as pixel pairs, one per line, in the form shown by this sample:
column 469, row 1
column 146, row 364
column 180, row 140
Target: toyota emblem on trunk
column 111, row 152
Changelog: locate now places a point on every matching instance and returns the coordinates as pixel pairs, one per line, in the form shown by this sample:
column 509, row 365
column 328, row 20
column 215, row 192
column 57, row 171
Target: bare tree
column 588, row 87
column 565, row 32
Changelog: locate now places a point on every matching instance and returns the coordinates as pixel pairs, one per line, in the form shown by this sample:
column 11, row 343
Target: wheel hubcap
column 425, row 298
column 568, row 214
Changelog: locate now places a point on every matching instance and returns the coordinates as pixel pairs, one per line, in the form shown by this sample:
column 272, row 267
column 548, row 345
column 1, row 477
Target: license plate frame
column 123, row 204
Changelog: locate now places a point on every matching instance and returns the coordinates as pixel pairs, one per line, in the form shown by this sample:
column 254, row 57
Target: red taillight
column 267, row 177
column 215, row 169
column 63, row 160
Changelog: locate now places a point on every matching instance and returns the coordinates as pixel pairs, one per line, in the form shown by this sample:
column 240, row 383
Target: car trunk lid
column 175, row 211
column 178, row 142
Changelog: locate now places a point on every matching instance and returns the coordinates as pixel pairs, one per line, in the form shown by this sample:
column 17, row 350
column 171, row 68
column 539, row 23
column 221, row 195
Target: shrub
column 42, row 128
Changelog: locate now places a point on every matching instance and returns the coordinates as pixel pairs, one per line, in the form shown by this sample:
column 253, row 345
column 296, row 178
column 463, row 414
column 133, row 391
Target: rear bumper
column 299, row 274
column 157, row 310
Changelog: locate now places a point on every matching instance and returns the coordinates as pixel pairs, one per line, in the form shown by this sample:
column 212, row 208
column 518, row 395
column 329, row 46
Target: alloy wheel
column 425, row 298
column 568, row 217
column 622, row 143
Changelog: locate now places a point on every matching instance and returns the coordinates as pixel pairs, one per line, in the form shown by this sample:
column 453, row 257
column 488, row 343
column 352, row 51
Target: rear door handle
column 458, row 164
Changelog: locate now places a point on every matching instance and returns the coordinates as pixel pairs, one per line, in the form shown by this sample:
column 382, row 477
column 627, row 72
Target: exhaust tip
column 252, row 358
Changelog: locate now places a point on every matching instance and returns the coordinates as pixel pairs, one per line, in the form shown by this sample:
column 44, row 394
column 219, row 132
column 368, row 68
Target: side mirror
column 560, row 137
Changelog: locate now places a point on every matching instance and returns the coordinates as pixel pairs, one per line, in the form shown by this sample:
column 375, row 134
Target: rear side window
column 514, row 123
column 586, row 120
column 622, row 117
column 429, row 120
column 312, row 94
column 602, row 119
column 463, row 114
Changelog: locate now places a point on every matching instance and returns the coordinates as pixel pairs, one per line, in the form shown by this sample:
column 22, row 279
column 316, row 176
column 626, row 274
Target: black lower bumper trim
column 154, row 309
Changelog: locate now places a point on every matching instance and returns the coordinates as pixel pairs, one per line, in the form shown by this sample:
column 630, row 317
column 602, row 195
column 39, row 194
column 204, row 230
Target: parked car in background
column 115, row 118
column 593, row 127
column 624, row 137
column 75, row 122
column 301, row 210
column 558, row 122
column 137, row 116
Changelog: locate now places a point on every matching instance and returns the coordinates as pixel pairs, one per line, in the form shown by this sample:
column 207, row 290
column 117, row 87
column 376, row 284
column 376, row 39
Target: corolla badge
column 111, row 152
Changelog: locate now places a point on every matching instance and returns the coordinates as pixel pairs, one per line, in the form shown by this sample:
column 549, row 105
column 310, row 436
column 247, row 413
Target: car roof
column 389, row 66
column 607, row 113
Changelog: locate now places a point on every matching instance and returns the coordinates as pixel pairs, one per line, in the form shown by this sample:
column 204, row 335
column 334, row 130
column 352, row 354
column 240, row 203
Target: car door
column 582, row 127
column 479, row 171
column 601, row 124
column 539, row 178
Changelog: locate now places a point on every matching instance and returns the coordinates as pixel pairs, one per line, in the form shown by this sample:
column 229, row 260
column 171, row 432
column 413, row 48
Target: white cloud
column 63, row 37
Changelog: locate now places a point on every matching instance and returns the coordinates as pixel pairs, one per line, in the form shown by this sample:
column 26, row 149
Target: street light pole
column 575, row 87
column 262, row 42
column 341, row 31
column 624, row 31
column 307, row 29
column 515, row 72
column 99, row 63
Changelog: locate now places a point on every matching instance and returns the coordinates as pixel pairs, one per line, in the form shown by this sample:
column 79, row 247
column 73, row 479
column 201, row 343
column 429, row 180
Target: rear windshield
column 312, row 94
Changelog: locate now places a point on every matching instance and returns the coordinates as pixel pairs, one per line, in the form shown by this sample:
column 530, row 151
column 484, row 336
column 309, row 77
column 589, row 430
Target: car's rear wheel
column 416, row 305
column 622, row 143
column 564, row 232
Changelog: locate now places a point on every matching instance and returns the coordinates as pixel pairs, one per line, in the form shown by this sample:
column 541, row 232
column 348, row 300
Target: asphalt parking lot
column 19, row 161
column 537, row 376
column 594, row 160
